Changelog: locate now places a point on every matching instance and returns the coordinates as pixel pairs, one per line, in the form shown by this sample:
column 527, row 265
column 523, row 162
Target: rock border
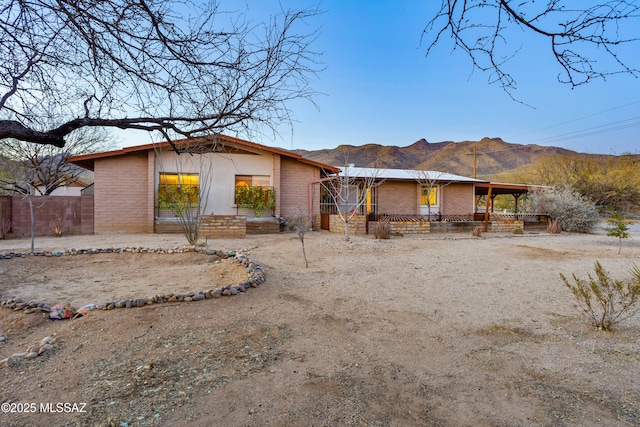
column 257, row 276
column 32, row 351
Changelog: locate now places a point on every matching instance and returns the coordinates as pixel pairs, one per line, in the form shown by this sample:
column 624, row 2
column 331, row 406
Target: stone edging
column 32, row 351
column 256, row 277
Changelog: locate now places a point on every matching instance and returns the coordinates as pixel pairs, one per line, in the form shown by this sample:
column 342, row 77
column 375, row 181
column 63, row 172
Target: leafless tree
column 349, row 192
column 38, row 169
column 588, row 39
column 300, row 224
column 185, row 202
column 180, row 68
column 34, row 170
column 429, row 181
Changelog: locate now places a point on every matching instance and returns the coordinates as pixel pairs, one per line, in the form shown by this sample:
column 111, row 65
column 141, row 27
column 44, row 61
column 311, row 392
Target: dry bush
column 477, row 231
column 58, row 227
column 300, row 225
column 554, row 227
column 6, row 227
column 606, row 301
column 571, row 210
column 382, row 230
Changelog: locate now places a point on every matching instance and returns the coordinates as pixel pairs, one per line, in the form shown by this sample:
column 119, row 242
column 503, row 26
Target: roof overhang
column 87, row 161
column 482, row 188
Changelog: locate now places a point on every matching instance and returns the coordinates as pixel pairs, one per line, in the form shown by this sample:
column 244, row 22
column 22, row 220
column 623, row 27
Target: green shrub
column 618, row 227
column 603, row 300
column 256, row 198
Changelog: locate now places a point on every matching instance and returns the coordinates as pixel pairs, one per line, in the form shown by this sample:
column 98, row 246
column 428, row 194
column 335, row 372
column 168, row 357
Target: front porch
column 419, row 224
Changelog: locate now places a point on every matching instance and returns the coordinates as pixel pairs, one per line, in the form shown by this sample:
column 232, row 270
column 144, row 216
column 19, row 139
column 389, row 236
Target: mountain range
column 493, row 156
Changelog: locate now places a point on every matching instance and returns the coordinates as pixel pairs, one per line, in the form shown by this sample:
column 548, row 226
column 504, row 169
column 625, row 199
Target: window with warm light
column 428, row 196
column 178, row 189
column 251, row 181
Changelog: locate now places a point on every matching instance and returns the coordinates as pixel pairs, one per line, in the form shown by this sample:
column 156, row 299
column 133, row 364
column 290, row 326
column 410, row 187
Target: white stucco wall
column 223, row 170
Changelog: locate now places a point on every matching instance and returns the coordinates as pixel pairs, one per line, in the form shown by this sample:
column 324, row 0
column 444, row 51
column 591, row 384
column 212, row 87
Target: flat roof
column 406, row 175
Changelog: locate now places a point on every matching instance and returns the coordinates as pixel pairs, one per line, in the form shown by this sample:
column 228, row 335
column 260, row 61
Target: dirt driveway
column 438, row 330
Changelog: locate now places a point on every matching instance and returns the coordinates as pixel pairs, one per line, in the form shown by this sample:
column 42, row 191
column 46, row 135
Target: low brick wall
column 410, row 227
column 506, row 226
column 424, row 227
column 263, row 225
column 357, row 225
column 223, row 226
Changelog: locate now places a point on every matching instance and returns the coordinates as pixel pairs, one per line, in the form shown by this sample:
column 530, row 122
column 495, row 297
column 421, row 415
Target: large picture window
column 254, row 192
column 178, row 190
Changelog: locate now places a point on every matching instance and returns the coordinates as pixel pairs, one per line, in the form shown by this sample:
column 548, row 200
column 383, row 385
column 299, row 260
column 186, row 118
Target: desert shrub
column 382, row 230
column 618, row 227
column 477, row 231
column 300, row 225
column 572, row 211
column 518, row 230
column 603, row 300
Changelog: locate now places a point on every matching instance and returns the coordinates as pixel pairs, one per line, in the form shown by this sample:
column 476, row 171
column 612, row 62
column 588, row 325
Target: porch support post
column 486, row 209
column 517, row 197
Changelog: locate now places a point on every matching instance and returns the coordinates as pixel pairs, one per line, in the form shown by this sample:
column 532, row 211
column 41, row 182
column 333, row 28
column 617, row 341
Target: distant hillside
column 494, row 156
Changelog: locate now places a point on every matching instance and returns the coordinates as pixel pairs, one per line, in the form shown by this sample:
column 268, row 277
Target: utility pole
column 475, row 155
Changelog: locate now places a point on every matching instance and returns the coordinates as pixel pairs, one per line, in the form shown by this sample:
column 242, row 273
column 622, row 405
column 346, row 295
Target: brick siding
column 294, row 188
column 398, row 198
column 122, row 194
column 457, row 199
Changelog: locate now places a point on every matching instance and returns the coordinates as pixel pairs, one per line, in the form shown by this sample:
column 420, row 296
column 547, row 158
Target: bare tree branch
column 39, row 169
column 180, row 68
column 587, row 41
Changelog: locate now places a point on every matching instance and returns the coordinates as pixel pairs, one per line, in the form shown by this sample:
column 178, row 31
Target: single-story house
column 407, row 195
column 130, row 183
column 131, row 186
column 412, row 192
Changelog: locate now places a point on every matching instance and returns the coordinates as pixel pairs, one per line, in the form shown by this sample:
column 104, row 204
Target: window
column 254, row 192
column 178, row 189
column 364, row 199
column 251, row 181
column 428, row 196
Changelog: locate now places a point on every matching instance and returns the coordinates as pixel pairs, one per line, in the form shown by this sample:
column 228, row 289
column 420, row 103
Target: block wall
column 357, row 225
column 71, row 214
column 121, row 192
column 223, row 226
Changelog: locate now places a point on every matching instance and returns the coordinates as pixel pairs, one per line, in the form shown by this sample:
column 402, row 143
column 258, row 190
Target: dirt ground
column 436, row 330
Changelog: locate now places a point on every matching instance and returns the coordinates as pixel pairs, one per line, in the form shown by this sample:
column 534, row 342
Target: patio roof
column 482, row 188
column 406, row 175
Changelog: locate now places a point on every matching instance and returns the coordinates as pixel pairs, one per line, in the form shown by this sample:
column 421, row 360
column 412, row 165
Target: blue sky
column 378, row 87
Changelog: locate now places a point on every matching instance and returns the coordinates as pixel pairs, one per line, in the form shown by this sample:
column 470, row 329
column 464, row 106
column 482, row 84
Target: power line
column 596, row 130
column 577, row 119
